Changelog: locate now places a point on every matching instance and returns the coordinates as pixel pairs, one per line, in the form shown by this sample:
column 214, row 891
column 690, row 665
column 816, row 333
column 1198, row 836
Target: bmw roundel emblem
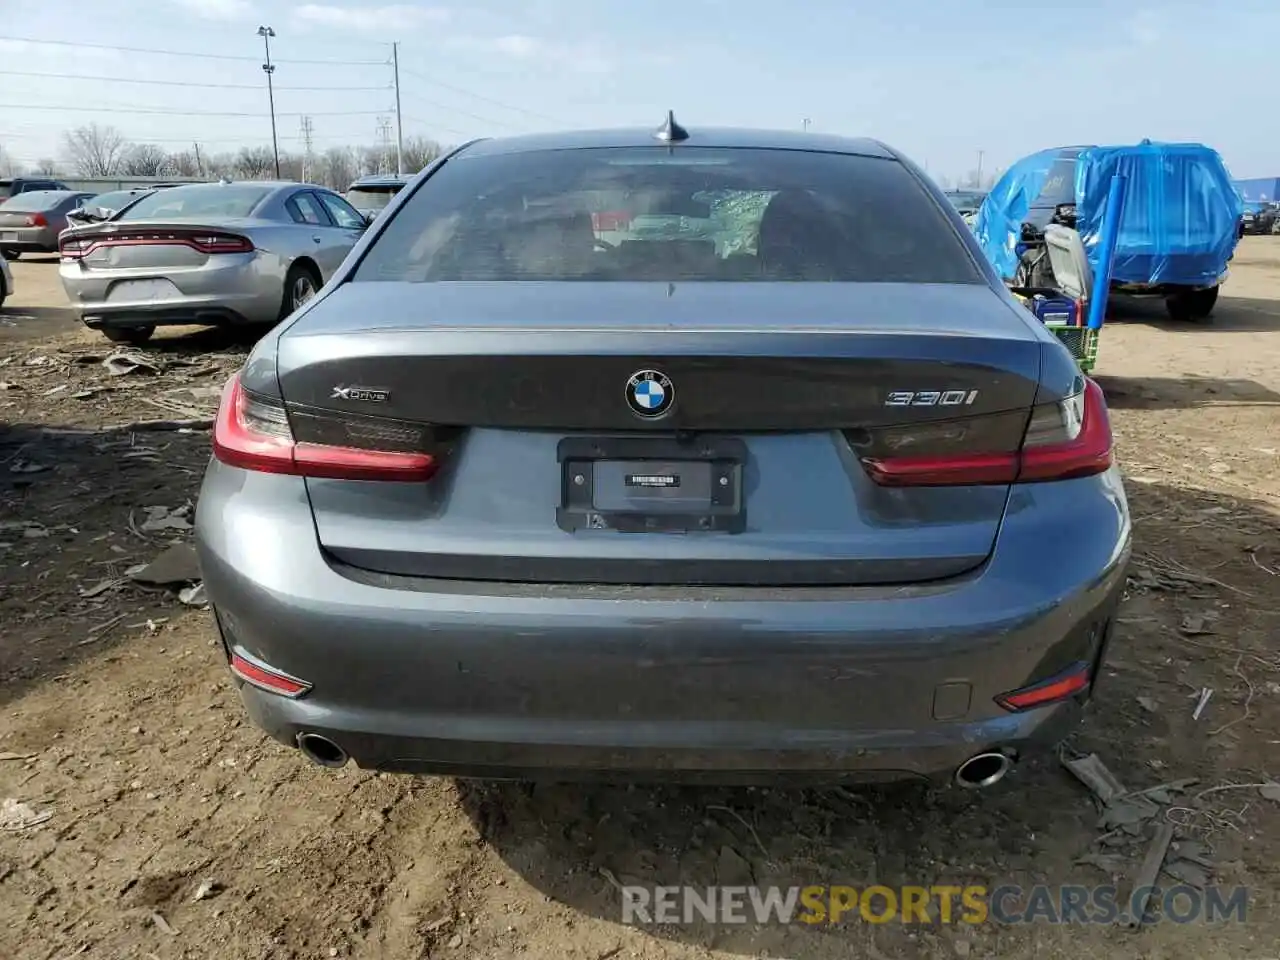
column 650, row 393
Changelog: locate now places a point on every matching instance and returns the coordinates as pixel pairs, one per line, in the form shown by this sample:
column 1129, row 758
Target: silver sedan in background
column 30, row 222
column 237, row 253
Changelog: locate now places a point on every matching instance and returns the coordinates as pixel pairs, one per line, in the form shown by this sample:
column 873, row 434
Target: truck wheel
column 1192, row 305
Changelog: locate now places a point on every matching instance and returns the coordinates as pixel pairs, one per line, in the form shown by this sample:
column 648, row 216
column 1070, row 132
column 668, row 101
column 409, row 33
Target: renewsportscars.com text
column 1006, row 904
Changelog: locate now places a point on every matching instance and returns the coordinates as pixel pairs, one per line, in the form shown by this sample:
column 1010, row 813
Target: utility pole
column 306, row 149
column 199, row 165
column 395, row 69
column 266, row 33
column 979, row 183
column 805, row 123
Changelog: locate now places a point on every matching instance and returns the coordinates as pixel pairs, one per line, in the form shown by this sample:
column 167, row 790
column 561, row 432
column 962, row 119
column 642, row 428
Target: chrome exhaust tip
column 983, row 770
column 321, row 750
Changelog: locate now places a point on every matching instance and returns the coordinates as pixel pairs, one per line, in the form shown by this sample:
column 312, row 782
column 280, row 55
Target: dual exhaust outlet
column 979, row 771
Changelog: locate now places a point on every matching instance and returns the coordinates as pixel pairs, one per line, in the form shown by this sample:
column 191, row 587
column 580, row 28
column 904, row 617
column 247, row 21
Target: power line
column 185, row 53
column 182, row 113
column 466, row 113
column 476, row 96
column 184, row 83
column 437, row 126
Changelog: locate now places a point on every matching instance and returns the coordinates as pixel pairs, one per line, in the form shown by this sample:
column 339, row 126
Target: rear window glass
column 371, row 198
column 6, row 189
column 213, row 200
column 697, row 214
column 36, row 200
column 114, row 200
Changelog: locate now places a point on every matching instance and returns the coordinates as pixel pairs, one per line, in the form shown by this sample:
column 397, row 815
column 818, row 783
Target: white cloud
column 217, row 9
column 577, row 57
column 389, row 18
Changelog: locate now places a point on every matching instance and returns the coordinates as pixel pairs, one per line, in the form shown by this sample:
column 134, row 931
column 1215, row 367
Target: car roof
column 52, row 196
column 724, row 137
column 380, row 180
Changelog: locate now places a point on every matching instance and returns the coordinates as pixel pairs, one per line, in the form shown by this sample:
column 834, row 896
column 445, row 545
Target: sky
column 953, row 84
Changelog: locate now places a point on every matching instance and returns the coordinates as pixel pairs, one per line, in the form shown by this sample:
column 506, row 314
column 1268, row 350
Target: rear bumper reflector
column 1060, row 686
column 256, row 673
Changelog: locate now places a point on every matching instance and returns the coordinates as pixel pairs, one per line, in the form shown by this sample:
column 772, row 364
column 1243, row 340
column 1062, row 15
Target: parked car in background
column 370, row 195
column 104, row 206
column 1267, row 219
column 9, row 186
column 213, row 253
column 799, row 494
column 31, row 221
column 966, row 201
column 1249, row 217
column 6, row 280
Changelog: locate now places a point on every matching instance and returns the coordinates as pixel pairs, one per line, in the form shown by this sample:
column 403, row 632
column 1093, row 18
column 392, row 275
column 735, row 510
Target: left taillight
column 253, row 432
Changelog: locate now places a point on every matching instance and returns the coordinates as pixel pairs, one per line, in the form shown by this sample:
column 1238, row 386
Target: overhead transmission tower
column 308, row 166
column 384, row 144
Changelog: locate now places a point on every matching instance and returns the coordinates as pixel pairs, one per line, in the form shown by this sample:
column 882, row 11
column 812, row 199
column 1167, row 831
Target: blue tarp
column 1181, row 212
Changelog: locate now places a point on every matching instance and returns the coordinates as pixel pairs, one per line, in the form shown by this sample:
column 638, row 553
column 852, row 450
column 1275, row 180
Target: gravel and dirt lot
column 142, row 817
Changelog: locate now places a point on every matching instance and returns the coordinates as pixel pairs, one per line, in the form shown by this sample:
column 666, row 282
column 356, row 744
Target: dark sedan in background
column 31, row 221
column 370, row 195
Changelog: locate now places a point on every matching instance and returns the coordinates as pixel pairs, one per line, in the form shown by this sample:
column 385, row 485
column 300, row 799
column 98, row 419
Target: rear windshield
column 372, row 198
column 6, row 189
column 36, row 200
column 204, row 200
column 112, row 201
column 650, row 213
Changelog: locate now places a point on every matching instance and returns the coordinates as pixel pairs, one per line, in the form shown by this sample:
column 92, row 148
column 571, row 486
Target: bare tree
column 417, row 152
column 291, row 166
column 144, row 160
column 339, row 167
column 6, row 162
column 184, row 164
column 95, row 151
column 46, row 166
column 254, row 163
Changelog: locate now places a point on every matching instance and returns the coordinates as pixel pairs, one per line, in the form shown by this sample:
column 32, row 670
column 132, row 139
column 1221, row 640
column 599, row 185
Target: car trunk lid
column 551, row 474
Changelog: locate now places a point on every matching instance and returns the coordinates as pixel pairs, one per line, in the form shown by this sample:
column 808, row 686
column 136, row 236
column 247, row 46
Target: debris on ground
column 16, row 815
column 1205, row 694
column 160, row 519
column 176, row 565
column 1144, row 882
column 124, row 362
column 163, row 925
column 208, row 888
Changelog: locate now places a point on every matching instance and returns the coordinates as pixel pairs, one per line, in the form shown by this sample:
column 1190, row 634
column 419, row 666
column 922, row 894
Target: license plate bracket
column 652, row 484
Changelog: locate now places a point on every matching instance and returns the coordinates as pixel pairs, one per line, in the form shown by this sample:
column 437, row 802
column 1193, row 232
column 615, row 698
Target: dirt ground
column 119, row 727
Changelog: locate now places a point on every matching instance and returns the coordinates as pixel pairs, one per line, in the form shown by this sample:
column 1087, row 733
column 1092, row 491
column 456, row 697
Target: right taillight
column 1064, row 439
column 253, row 432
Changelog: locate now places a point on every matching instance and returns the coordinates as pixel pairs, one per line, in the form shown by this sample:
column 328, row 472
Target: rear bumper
column 732, row 685
column 238, row 289
column 29, row 240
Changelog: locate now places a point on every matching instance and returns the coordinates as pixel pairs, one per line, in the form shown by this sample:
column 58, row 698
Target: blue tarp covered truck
column 1179, row 228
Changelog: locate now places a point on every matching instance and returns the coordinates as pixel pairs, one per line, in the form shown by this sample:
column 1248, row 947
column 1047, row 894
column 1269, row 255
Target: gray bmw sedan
column 700, row 454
